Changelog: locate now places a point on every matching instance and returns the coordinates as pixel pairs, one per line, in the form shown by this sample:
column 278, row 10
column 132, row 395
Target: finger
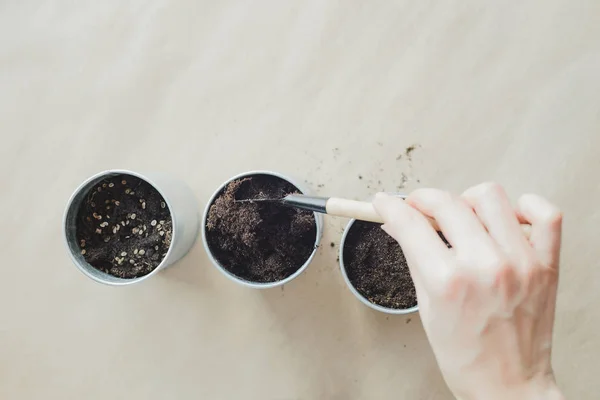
column 456, row 219
column 422, row 247
column 546, row 226
column 492, row 206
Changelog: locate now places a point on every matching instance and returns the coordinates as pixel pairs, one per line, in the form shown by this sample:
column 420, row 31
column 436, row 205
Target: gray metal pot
column 243, row 282
column 184, row 214
column 356, row 293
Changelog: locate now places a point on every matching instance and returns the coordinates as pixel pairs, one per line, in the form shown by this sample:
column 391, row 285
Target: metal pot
column 184, row 214
column 356, row 293
column 243, row 282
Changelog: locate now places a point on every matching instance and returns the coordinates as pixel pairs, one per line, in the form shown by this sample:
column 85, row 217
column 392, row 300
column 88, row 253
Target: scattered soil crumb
column 403, row 180
column 409, row 150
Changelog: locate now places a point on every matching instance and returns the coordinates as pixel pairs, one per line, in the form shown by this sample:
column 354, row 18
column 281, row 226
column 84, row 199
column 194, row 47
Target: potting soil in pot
column 377, row 268
column 124, row 227
column 259, row 242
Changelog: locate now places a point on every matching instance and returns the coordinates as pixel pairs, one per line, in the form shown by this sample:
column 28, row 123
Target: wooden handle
column 365, row 211
column 353, row 209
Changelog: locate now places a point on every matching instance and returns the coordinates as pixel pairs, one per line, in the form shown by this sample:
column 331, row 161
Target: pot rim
column 73, row 206
column 241, row 281
column 356, row 293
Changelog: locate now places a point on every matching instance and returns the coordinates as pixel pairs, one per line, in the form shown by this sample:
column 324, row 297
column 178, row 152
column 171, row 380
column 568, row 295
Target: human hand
column 487, row 304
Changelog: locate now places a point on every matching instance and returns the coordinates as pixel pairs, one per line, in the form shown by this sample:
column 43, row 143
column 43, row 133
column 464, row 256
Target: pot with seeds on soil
column 122, row 227
column 259, row 245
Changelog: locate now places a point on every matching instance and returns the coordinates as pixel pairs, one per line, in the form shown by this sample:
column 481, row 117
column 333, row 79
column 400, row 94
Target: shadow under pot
column 375, row 269
column 259, row 245
column 121, row 227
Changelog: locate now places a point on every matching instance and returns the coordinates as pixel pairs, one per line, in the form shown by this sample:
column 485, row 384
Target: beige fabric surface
column 324, row 91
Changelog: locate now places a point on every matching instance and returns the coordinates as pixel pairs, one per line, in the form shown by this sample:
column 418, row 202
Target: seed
column 132, row 216
column 127, row 222
column 155, row 247
column 163, row 204
column 106, row 239
column 104, row 224
column 132, row 193
column 99, row 189
column 144, row 205
column 161, row 233
column 115, row 229
column 124, row 182
column 153, row 223
column 142, row 252
column 135, row 251
column 135, row 230
column 131, row 261
column 120, row 261
column 141, row 232
column 104, row 185
column 82, row 242
column 111, row 184
column 93, row 204
column 162, row 222
column 159, row 227
column 127, row 191
column 98, row 230
column 145, row 227
column 126, row 237
column 123, row 223
column 117, row 203
column 82, row 252
column 123, row 254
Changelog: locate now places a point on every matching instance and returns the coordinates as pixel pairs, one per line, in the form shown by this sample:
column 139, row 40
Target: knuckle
column 540, row 275
column 428, row 193
column 453, row 283
column 553, row 216
column 504, row 275
column 489, row 189
column 497, row 264
column 484, row 190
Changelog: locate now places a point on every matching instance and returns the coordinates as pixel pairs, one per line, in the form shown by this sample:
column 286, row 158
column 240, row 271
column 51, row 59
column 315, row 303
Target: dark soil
column 376, row 267
column 259, row 242
column 124, row 227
